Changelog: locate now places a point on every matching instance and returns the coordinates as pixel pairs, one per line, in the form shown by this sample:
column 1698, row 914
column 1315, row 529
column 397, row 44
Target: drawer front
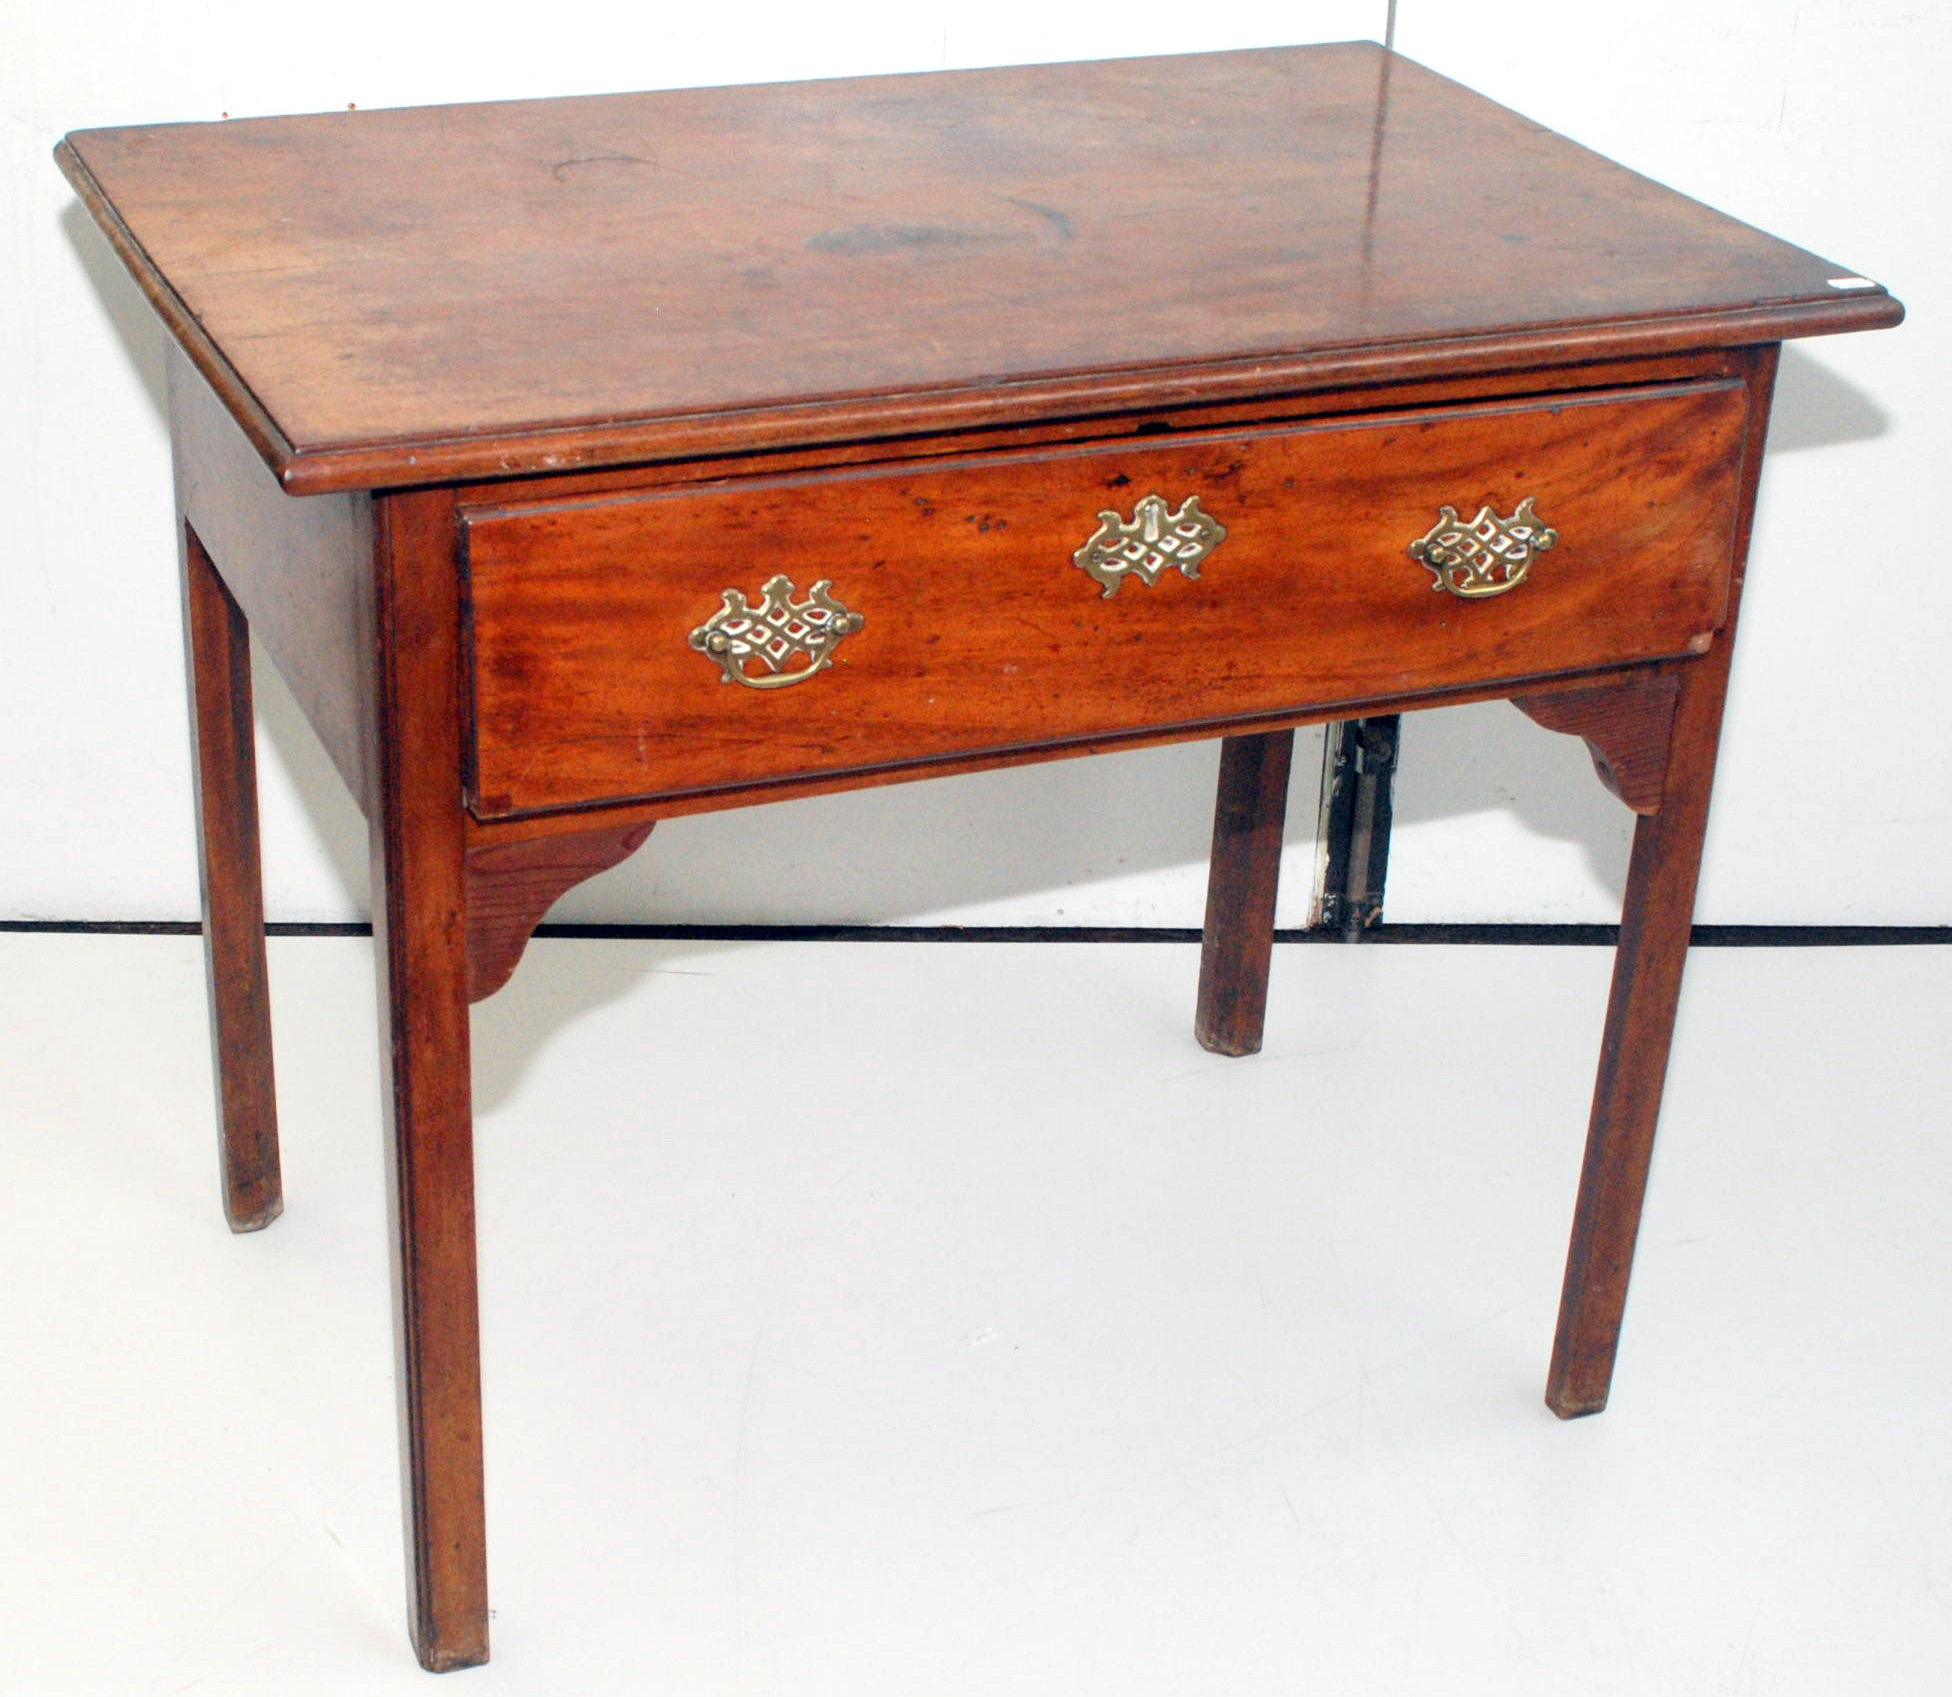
column 980, row 631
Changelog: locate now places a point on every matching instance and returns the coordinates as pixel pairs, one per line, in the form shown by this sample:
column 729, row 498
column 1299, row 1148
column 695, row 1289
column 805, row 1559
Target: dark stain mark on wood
column 559, row 170
column 861, row 239
column 1050, row 215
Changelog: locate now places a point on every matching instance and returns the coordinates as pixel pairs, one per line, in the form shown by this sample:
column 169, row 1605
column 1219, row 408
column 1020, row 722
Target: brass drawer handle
column 1488, row 556
column 1149, row 542
column 775, row 633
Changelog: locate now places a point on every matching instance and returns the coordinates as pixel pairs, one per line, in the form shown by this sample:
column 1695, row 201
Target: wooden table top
column 396, row 297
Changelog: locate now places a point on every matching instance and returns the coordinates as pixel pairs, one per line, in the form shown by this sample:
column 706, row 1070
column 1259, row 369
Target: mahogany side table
column 583, row 463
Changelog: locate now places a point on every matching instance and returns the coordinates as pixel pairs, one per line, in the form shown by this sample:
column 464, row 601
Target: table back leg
column 233, row 893
column 1241, row 887
column 420, row 938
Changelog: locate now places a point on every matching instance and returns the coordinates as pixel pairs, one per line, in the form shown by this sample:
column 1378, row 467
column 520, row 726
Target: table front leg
column 419, row 932
column 420, row 939
column 233, row 893
column 1242, row 883
column 1664, row 767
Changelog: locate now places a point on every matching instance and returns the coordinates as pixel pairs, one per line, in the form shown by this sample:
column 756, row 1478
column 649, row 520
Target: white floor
column 922, row 1321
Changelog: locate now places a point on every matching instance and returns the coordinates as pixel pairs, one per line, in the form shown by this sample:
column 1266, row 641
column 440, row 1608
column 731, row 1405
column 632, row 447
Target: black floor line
column 1705, row 936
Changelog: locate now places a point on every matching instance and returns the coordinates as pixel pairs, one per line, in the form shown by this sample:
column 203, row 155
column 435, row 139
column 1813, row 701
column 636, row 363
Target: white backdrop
column 1823, row 122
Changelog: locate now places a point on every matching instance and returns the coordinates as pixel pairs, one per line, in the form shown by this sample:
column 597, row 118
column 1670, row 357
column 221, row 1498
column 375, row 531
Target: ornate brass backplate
column 775, row 634
column 1488, row 556
column 1149, row 542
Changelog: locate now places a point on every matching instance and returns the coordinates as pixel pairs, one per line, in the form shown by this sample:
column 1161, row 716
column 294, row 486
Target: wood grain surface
column 1627, row 729
column 510, row 886
column 420, row 295
column 982, row 634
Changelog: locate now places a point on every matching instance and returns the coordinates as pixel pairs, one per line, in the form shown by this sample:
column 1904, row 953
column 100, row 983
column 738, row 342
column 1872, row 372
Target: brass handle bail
column 1489, row 555
column 776, row 634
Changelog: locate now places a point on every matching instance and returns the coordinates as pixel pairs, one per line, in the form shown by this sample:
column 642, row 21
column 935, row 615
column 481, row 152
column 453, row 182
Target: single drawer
column 608, row 658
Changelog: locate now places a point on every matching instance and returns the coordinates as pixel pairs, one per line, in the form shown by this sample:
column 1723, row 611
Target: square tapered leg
column 1241, row 886
column 233, row 893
